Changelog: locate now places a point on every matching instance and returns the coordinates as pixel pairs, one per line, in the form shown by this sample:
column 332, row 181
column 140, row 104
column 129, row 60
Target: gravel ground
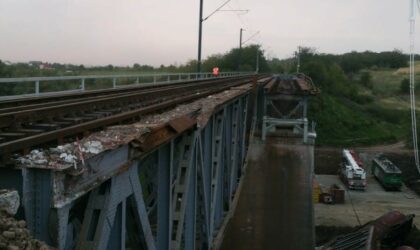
column 332, row 220
column 363, row 206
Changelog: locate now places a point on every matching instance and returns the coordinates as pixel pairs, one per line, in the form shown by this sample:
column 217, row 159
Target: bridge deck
column 274, row 209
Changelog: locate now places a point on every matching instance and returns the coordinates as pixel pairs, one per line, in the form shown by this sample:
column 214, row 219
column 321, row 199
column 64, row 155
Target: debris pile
column 15, row 236
column 13, row 233
column 61, row 156
column 387, row 232
column 75, row 154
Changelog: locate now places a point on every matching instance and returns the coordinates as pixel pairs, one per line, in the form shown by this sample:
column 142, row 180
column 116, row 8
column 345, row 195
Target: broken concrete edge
column 9, row 201
column 70, row 184
column 74, row 155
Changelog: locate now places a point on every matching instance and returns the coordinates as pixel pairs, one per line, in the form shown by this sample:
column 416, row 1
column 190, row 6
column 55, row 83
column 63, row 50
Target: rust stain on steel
column 124, row 167
column 270, row 84
column 300, row 85
column 209, row 110
column 153, row 139
column 182, row 123
column 163, row 133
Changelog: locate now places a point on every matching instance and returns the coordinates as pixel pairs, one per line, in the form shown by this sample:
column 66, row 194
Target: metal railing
column 115, row 81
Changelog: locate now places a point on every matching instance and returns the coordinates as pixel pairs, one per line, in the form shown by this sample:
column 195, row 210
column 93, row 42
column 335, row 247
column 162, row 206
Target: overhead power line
column 218, row 9
column 254, row 35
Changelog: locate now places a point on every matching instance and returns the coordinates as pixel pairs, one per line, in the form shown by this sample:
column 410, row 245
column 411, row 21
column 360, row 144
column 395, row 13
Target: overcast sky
column 123, row 32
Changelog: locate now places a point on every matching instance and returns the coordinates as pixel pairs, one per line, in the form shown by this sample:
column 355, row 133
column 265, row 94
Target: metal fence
column 35, row 86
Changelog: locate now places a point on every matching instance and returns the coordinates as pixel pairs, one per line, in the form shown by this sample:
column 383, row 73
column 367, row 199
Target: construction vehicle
column 357, row 158
column 351, row 173
column 387, row 173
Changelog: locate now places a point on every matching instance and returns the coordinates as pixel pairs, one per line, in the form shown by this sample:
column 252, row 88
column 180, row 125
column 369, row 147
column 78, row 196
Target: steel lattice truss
column 175, row 197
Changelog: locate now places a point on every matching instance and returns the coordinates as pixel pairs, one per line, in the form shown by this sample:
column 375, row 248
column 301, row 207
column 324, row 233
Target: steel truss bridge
column 144, row 166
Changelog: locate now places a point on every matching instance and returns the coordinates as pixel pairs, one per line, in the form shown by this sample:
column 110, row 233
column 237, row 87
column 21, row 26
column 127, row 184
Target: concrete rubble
column 75, row 154
column 9, row 201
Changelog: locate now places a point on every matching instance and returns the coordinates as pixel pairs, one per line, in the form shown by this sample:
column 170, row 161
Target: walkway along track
column 51, row 124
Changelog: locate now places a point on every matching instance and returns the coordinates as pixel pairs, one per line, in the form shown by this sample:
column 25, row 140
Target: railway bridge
column 177, row 162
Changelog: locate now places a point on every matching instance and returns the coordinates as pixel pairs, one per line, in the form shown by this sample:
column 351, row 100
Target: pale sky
column 123, row 32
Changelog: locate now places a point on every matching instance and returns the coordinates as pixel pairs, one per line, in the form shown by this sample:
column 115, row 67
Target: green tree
column 276, row 66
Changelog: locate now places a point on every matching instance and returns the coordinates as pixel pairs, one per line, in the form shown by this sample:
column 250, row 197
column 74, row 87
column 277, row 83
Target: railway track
column 11, row 105
column 53, row 121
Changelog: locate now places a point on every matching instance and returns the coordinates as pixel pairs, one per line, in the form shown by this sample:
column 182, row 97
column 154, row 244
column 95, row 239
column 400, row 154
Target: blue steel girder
column 37, row 196
column 106, row 213
column 176, row 196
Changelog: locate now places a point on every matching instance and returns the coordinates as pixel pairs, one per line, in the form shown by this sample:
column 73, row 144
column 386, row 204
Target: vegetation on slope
column 351, row 110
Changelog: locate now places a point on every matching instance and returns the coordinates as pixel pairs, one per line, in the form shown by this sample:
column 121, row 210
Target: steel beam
column 164, row 218
column 105, row 215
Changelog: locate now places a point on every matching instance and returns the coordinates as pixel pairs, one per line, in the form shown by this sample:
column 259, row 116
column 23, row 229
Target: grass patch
column 386, row 82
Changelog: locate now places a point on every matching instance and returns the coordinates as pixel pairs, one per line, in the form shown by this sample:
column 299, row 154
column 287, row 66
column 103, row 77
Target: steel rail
column 57, row 96
column 41, row 102
column 80, row 105
column 25, row 144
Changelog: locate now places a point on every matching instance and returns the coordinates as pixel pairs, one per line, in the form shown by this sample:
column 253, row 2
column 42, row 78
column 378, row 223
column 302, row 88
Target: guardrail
column 79, row 83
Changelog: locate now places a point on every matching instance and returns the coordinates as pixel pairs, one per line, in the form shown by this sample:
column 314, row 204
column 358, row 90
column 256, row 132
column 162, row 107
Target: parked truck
column 387, row 173
column 351, row 173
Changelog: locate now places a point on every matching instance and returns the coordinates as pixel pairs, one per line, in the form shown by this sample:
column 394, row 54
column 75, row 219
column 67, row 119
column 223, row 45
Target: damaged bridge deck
column 163, row 180
column 158, row 168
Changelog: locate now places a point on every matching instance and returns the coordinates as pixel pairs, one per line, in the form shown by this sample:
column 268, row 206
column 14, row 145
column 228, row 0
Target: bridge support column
column 37, row 196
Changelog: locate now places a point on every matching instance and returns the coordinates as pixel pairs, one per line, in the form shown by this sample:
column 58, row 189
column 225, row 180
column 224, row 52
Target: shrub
column 405, row 86
column 366, row 79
